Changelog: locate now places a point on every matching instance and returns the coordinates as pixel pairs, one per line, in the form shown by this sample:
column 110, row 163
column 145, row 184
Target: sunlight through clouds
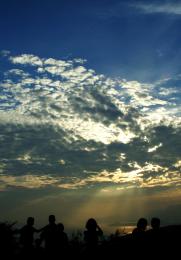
column 74, row 128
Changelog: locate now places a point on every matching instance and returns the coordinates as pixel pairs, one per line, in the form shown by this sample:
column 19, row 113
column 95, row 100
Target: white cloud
column 58, row 63
column 171, row 7
column 5, row 53
column 88, row 108
column 17, row 72
column 141, row 94
column 167, row 92
column 37, row 95
column 27, row 59
column 178, row 164
column 154, row 148
column 79, row 60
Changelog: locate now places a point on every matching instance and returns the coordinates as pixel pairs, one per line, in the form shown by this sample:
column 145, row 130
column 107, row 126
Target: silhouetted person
column 93, row 232
column 155, row 224
column 155, row 237
column 141, row 227
column 91, row 237
column 27, row 236
column 61, row 240
column 139, row 243
column 49, row 236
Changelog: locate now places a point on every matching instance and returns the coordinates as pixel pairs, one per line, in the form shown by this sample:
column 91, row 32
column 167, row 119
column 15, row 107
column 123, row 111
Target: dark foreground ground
column 151, row 244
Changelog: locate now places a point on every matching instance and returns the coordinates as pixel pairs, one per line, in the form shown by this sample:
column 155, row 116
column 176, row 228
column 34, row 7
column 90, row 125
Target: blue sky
column 90, row 110
column 119, row 38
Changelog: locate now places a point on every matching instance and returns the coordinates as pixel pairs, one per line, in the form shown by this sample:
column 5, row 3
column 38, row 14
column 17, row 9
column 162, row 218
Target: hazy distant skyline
column 90, row 110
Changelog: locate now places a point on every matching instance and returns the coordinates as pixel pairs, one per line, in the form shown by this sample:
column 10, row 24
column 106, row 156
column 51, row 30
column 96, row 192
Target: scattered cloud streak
column 64, row 125
column 168, row 7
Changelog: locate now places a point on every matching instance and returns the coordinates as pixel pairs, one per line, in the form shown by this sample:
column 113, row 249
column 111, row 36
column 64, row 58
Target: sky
column 90, row 107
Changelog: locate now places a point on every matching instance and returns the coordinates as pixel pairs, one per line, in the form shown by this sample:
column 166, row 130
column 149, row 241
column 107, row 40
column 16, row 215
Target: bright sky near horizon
column 90, row 110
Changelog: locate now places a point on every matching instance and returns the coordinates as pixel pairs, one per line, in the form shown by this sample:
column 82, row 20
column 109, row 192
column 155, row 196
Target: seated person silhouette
column 93, row 233
column 141, row 226
column 155, row 236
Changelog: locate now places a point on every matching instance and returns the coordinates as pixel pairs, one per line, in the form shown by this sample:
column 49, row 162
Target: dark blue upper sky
column 118, row 38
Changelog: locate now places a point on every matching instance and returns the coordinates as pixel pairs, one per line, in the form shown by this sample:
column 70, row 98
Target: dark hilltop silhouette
column 52, row 242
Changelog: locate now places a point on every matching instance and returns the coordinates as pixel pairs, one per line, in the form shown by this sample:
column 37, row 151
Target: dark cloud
column 103, row 108
column 170, row 138
column 47, row 150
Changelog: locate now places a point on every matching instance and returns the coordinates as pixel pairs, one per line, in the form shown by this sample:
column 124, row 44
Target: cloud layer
column 63, row 124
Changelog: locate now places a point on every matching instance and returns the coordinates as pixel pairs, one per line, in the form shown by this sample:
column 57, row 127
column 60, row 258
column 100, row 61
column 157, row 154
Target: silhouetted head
column 91, row 224
column 142, row 223
column 155, row 223
column 60, row 227
column 30, row 221
column 51, row 219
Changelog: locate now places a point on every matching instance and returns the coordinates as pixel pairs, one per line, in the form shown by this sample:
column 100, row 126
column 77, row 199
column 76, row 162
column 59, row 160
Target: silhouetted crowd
column 53, row 242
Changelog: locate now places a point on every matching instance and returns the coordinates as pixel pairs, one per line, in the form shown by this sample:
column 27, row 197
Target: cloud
column 26, row 59
column 72, row 128
column 171, row 7
column 27, row 181
column 17, row 72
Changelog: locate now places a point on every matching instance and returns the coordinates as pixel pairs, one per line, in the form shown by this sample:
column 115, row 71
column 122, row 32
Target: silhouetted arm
column 37, row 230
column 100, row 232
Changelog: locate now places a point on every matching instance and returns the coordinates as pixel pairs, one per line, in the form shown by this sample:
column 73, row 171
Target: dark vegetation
column 53, row 243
